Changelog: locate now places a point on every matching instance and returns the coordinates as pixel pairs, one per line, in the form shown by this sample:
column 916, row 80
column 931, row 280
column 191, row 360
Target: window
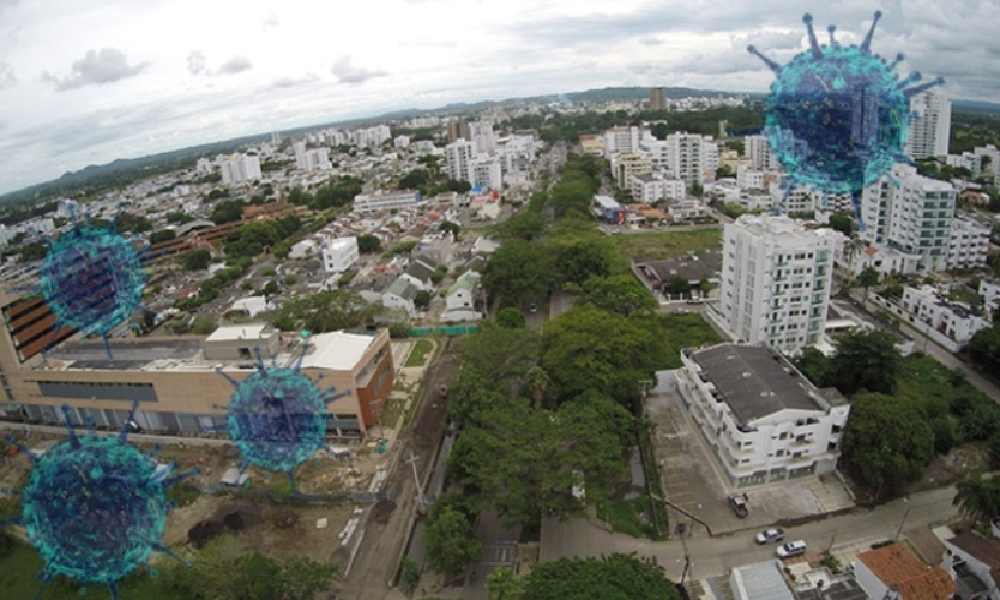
column 783, row 436
column 780, row 453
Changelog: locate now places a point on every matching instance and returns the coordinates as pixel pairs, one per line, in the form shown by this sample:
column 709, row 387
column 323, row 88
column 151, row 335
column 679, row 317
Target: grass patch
column 677, row 332
column 631, row 517
column 393, row 408
column 933, row 385
column 662, row 245
column 19, row 579
column 183, row 495
column 418, row 355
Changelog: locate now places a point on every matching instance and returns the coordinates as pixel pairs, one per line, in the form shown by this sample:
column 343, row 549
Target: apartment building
column 657, row 99
column 458, row 158
column 957, row 322
column 763, row 419
column 240, row 168
column 776, row 281
column 750, row 179
column 458, row 130
column 692, row 157
column 340, row 254
column 969, row 243
column 653, row 187
column 989, row 289
column 758, row 150
column 175, row 378
column 625, row 166
column 930, row 125
column 385, row 200
column 312, row 160
column 623, row 140
column 910, row 213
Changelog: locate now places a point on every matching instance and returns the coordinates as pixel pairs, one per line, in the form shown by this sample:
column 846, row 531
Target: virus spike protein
column 837, row 117
column 94, row 510
column 277, row 417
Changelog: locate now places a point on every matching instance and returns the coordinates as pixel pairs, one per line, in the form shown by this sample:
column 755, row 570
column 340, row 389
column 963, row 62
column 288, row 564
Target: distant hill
column 107, row 175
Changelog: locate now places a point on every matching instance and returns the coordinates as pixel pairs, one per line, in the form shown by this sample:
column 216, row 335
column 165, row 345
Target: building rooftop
column 130, row 355
column 338, row 351
column 695, row 266
column 403, row 288
column 896, row 566
column 250, row 331
column 755, row 382
column 761, row 581
column 467, row 282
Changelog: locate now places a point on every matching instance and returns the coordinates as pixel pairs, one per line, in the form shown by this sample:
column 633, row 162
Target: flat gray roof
column 125, row 354
column 763, row 581
column 753, row 381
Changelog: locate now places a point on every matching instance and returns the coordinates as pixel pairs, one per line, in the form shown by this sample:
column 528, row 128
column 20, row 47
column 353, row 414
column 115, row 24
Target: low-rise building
column 955, row 321
column 400, row 296
column 989, row 289
column 420, row 272
column 759, row 581
column 653, row 187
column 973, row 562
column 894, row 572
column 383, row 200
column 460, row 300
column 340, row 254
column 686, row 211
column 763, row 419
column 885, row 260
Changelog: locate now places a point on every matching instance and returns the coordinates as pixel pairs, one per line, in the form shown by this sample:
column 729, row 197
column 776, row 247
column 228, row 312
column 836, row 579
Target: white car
column 796, row 548
column 770, row 535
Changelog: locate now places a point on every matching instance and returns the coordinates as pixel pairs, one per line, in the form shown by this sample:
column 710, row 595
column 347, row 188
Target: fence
column 282, row 495
column 455, row 330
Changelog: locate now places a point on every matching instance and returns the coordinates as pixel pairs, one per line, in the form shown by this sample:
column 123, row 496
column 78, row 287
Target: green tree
column 505, row 584
column 409, row 574
column 422, row 300
column 163, row 235
column 733, row 210
column 887, row 442
column 536, row 384
column 984, row 348
column 842, row 222
column 526, row 225
column 613, row 577
column 450, row 227
column 518, row 272
column 582, row 260
column 814, row 365
column 304, row 578
column 196, row 260
column 227, row 211
column 865, row 360
column 511, row 318
column 501, row 354
column 451, row 544
column 589, row 349
column 215, row 572
column 368, row 243
column 868, row 278
column 978, row 498
column 204, row 325
column 325, row 311
column 622, row 294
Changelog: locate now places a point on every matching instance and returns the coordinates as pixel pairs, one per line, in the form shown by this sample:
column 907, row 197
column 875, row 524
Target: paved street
column 714, row 557
column 499, row 550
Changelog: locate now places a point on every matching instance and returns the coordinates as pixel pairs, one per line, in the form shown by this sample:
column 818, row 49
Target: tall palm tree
column 536, row 380
column 504, row 584
column 978, row 498
column 854, row 247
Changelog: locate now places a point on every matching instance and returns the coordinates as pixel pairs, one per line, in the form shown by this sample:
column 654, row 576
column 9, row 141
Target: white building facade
column 969, row 243
column 382, row 200
column 240, row 168
column 340, row 254
column 776, row 280
column 930, row 126
column 693, row 158
column 763, row 419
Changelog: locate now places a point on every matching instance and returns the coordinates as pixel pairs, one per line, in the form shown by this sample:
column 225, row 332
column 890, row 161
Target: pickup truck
column 739, row 505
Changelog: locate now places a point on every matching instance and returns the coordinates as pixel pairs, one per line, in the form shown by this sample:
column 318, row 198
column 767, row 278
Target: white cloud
column 283, row 57
column 234, row 65
column 348, row 73
column 107, row 65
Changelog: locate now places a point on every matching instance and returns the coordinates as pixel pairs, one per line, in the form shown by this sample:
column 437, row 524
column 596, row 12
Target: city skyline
column 91, row 82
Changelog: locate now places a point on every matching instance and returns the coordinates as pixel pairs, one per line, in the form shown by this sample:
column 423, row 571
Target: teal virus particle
column 94, row 507
column 277, row 416
column 837, row 116
column 92, row 280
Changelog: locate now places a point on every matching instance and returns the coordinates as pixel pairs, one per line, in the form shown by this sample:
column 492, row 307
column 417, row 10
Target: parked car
column 738, row 502
column 796, row 548
column 533, row 308
column 775, row 534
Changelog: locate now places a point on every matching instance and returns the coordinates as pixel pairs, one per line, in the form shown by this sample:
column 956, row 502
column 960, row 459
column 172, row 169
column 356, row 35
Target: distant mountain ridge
column 184, row 156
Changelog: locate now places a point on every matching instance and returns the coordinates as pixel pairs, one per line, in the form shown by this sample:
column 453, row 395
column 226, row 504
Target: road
column 714, row 557
column 927, row 346
column 388, row 524
column 499, row 550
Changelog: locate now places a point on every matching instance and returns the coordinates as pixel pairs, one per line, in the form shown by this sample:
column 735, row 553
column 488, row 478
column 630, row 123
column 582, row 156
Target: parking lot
column 694, row 480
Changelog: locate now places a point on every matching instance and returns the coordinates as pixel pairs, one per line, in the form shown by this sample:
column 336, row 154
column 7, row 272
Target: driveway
column 694, row 479
column 499, row 550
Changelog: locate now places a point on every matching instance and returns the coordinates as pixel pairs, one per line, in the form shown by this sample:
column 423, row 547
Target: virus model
column 95, row 507
column 277, row 416
column 837, row 116
column 92, row 280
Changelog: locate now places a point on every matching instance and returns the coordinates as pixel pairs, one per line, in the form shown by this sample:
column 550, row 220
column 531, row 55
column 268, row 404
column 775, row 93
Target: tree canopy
column 325, row 311
column 451, row 543
column 518, row 272
column 621, row 294
column 614, row 577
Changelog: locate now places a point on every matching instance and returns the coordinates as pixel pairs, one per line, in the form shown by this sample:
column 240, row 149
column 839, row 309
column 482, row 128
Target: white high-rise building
column 240, row 168
column 692, row 157
column 758, row 150
column 301, row 162
column 458, row 160
column 312, row 160
column 927, row 136
column 485, row 172
column 483, row 137
column 205, row 166
column 776, row 278
column 624, row 140
column 912, row 214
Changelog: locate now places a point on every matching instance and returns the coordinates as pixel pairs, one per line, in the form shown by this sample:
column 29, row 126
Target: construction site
column 355, row 504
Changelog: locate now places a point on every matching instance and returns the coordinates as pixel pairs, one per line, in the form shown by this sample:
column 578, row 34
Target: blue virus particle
column 92, row 280
column 277, row 416
column 837, row 116
column 94, row 507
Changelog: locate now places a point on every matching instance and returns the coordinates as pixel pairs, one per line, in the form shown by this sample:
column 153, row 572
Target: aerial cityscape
column 713, row 325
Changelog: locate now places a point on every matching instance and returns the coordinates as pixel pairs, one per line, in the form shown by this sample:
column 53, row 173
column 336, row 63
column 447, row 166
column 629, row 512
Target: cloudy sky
column 88, row 81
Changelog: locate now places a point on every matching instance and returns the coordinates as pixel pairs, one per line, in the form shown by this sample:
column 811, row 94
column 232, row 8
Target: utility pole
column 902, row 522
column 421, row 501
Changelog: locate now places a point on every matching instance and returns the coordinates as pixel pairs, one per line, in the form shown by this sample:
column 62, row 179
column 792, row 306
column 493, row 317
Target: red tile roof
column 894, row 565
